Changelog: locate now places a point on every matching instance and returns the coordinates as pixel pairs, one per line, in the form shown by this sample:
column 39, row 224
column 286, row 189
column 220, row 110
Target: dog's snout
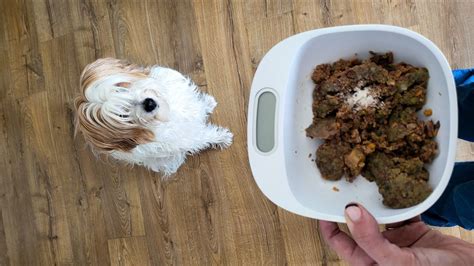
column 149, row 104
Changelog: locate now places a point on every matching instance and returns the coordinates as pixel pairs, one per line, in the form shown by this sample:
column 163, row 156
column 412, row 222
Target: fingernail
column 353, row 212
column 351, row 204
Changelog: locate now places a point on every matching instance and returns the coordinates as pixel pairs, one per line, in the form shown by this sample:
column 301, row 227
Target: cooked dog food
column 365, row 111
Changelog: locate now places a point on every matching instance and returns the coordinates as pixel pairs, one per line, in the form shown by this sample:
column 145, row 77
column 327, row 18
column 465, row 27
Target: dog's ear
column 101, row 68
column 104, row 132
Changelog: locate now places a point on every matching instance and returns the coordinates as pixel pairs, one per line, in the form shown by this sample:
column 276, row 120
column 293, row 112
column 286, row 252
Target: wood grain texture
column 129, row 251
column 61, row 205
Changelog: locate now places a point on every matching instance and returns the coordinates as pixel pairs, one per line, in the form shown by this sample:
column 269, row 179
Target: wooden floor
column 59, row 205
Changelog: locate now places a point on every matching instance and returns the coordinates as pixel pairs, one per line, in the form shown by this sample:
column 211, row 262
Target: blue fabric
column 456, row 204
column 464, row 79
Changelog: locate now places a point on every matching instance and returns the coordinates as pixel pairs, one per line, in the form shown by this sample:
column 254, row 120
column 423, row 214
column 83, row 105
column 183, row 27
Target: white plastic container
column 280, row 111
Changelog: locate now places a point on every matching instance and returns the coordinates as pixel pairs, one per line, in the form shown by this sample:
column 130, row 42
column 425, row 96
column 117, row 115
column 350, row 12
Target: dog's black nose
column 149, row 104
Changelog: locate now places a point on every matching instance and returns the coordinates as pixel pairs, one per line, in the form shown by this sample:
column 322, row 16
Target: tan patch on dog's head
column 106, row 133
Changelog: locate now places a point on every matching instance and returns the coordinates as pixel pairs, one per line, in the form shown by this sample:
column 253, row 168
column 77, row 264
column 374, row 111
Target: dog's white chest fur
column 186, row 132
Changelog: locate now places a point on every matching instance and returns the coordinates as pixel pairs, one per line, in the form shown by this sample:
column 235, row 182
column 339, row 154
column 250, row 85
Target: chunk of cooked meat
column 376, row 165
column 409, row 166
column 329, row 105
column 428, row 112
column 330, row 159
column 355, row 161
column 402, row 182
column 402, row 191
column 396, row 131
column 431, row 128
column 353, row 136
column 384, row 60
column 415, row 76
column 429, row 150
column 323, row 129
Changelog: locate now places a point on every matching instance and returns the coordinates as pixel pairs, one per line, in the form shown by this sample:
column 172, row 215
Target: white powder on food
column 362, row 98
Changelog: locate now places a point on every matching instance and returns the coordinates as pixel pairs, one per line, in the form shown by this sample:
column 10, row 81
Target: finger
column 343, row 245
column 336, row 239
column 366, row 234
column 400, row 224
column 407, row 235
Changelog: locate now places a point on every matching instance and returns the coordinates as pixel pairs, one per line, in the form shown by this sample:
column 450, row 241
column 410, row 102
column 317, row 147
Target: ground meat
column 366, row 113
column 321, row 72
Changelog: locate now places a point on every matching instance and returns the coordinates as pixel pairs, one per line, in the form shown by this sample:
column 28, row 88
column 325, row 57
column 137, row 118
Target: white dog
column 151, row 116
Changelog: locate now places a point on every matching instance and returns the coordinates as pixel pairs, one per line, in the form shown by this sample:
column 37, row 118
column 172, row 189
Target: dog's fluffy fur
column 111, row 116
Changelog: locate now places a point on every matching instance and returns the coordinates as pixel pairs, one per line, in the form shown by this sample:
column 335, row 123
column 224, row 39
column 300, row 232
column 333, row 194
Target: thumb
column 366, row 234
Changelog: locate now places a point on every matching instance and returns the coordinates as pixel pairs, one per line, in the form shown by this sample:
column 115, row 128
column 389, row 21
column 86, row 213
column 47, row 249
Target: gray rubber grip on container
column 266, row 110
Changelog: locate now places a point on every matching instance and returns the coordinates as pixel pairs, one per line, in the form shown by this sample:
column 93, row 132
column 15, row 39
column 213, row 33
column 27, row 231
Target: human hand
column 407, row 243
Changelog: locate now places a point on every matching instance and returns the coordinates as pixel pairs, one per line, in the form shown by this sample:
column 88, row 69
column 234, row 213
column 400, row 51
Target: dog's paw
column 209, row 103
column 167, row 166
column 225, row 138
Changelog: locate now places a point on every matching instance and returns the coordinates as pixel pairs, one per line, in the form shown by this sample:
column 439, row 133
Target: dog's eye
column 119, row 115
